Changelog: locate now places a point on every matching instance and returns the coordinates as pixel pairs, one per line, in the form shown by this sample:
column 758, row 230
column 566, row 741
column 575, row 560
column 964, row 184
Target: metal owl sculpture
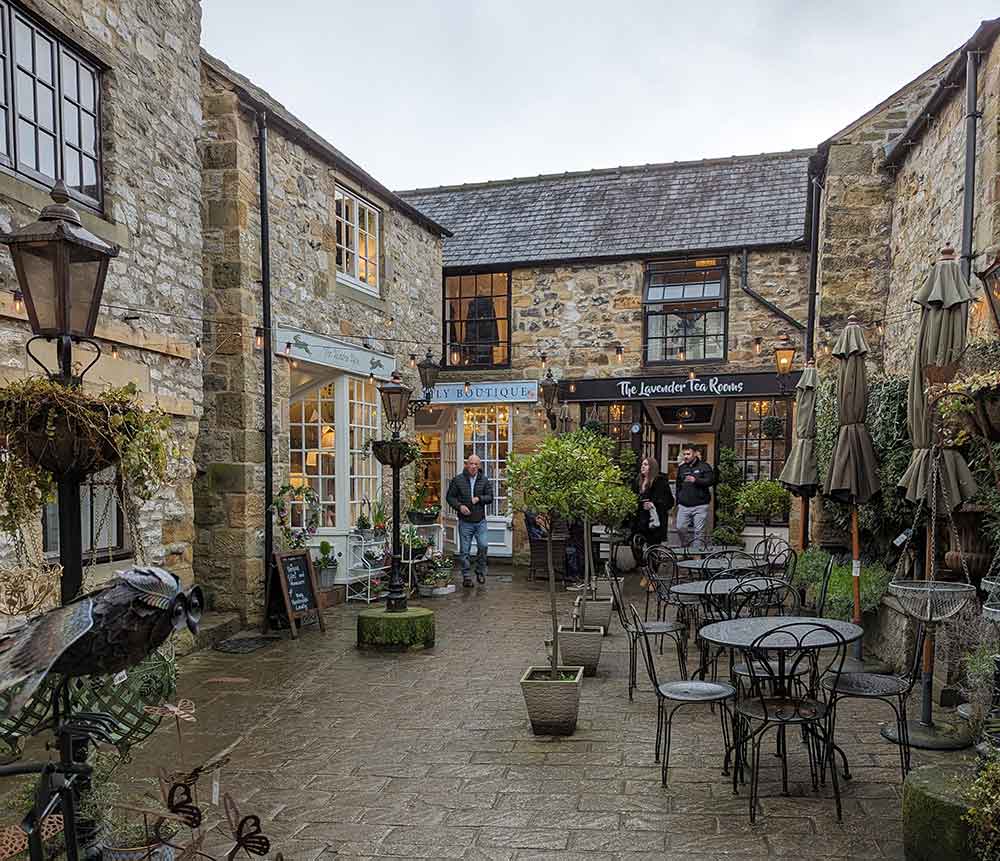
column 100, row 633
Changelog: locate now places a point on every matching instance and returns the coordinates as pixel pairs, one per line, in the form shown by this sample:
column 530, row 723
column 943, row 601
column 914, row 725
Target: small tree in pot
column 763, row 500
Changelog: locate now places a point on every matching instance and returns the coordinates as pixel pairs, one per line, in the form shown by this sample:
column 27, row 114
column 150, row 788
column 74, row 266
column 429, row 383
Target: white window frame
column 350, row 274
column 344, row 513
column 98, row 497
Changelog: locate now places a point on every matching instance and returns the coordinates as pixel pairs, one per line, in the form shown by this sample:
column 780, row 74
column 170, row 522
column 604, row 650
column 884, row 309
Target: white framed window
column 363, row 403
column 330, row 424
column 356, row 225
column 102, row 521
column 312, row 438
column 487, row 434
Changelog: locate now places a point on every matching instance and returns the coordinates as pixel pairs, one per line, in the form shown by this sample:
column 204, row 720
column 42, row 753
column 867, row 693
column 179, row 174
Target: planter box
column 603, row 587
column 429, row 591
column 553, row 706
column 421, row 518
column 581, row 648
column 597, row 613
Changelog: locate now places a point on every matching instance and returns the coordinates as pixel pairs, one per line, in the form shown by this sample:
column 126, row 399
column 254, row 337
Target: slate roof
column 716, row 204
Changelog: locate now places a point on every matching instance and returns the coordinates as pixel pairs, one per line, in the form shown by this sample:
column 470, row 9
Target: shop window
column 477, row 320
column 312, row 428
column 613, row 419
column 357, row 232
column 363, row 400
column 761, row 456
column 487, row 434
column 49, row 108
column 684, row 311
column 102, row 521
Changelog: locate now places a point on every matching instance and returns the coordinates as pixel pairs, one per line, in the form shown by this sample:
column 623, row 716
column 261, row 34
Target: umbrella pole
column 856, row 578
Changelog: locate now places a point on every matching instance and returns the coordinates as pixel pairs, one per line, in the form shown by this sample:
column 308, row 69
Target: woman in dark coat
column 654, row 495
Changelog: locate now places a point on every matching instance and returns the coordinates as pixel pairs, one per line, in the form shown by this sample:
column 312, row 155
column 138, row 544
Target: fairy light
column 413, row 360
column 18, row 301
column 197, row 347
column 572, row 388
column 258, row 337
column 467, row 388
column 114, row 351
column 758, row 345
column 619, row 353
column 692, row 375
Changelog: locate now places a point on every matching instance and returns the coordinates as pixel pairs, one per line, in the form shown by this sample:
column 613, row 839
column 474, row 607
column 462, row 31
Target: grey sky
column 435, row 92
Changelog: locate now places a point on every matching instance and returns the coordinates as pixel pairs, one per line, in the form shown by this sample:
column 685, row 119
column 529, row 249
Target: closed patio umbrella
column 800, row 474
column 853, row 477
column 941, row 340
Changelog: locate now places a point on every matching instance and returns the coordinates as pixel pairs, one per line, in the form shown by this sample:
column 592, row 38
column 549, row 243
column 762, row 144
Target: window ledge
column 30, row 195
column 349, row 288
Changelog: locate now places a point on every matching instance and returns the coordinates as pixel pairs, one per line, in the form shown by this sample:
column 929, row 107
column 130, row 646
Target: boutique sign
column 673, row 388
column 505, row 392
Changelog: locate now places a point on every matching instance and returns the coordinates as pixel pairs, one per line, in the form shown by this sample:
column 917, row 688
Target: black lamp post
column 61, row 268
column 550, row 397
column 398, row 404
column 783, row 358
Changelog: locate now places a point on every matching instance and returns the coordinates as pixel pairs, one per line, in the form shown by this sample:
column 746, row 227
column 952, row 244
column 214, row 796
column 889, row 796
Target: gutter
column 952, row 80
column 753, row 294
column 969, row 198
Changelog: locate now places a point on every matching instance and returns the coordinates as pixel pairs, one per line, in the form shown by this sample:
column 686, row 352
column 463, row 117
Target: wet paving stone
column 345, row 754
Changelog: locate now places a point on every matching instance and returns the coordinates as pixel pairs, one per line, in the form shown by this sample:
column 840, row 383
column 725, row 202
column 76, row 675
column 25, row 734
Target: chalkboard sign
column 297, row 584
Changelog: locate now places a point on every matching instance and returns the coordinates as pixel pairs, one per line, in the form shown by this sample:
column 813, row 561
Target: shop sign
column 324, row 350
column 666, row 388
column 500, row 392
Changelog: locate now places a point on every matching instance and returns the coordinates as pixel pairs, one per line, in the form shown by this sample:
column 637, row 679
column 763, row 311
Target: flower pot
column 597, row 613
column 435, row 590
column 581, row 648
column 393, row 452
column 67, row 453
column 327, row 577
column 602, row 588
column 552, row 706
column 155, row 851
column 422, row 518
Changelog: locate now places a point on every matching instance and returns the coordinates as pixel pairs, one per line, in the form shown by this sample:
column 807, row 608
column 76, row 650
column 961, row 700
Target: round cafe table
column 742, row 633
column 696, row 589
column 713, row 566
column 691, row 550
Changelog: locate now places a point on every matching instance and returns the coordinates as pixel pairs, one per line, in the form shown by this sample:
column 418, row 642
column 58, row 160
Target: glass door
column 486, row 431
column 672, row 447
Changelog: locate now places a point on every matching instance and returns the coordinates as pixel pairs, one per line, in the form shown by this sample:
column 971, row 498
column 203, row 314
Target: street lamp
column 783, row 357
column 550, row 397
column 398, row 404
column 61, row 267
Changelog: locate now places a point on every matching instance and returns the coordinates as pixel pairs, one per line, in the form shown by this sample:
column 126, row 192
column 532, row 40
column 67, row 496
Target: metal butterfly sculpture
column 100, row 633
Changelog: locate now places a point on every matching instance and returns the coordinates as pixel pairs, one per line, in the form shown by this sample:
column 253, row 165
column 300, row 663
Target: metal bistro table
column 695, row 590
column 713, row 566
column 743, row 633
column 691, row 550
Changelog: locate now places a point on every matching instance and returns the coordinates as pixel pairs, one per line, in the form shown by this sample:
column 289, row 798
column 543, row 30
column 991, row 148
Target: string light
column 680, row 356
column 18, row 301
column 197, row 347
column 288, row 348
column 880, row 328
column 572, row 387
column 758, row 345
column 545, row 362
column 455, row 357
column 258, row 337
column 619, row 353
column 413, row 360
column 114, row 351
column 692, row 375
column 467, row 388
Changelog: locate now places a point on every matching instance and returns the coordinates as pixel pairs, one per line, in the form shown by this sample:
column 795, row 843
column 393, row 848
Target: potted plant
column 773, row 427
column 380, row 518
column 363, row 526
column 435, row 577
column 764, row 500
column 414, row 545
column 421, row 512
column 729, row 522
column 327, row 564
column 580, row 644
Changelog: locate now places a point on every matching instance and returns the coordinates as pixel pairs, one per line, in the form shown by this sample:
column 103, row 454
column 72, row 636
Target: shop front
column 658, row 416
column 474, row 418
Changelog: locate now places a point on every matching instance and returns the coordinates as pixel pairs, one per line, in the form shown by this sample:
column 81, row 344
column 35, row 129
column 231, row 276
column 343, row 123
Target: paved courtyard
column 431, row 756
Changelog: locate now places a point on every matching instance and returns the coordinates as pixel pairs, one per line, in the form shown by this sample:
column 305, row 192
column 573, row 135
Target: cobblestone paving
column 431, row 756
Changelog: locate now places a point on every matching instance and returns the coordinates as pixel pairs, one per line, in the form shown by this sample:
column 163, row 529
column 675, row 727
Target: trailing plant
column 889, row 514
column 983, row 815
column 729, row 479
column 307, row 500
column 43, row 423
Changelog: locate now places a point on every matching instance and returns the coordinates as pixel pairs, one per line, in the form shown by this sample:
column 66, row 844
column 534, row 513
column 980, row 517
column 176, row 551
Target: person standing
column 655, row 502
column 469, row 493
column 694, row 494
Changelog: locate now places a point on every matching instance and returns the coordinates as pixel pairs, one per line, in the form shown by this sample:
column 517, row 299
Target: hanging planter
column 773, row 427
column 395, row 453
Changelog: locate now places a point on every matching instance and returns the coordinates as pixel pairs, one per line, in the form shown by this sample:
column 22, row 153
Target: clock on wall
column 637, row 428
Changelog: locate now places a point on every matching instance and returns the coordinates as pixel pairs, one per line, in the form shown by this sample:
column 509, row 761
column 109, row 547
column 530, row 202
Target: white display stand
column 359, row 571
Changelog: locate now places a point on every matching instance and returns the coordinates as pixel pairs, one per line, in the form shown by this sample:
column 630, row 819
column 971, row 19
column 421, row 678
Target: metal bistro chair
column 894, row 691
column 824, row 586
column 685, row 692
column 766, row 702
column 661, row 628
column 770, row 547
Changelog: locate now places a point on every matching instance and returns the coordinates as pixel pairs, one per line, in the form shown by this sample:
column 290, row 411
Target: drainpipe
column 971, row 115
column 753, row 294
column 265, row 275
column 815, row 195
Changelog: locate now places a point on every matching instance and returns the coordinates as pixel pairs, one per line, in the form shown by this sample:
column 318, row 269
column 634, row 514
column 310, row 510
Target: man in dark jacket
column 469, row 493
column 694, row 495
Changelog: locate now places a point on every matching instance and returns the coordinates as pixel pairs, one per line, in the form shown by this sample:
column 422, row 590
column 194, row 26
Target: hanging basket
column 65, row 453
column 773, row 427
column 395, row 453
column 931, row 601
column 988, row 413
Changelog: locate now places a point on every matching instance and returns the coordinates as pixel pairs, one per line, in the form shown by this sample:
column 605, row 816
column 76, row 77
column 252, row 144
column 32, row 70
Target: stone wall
column 150, row 119
column 928, row 207
column 305, row 294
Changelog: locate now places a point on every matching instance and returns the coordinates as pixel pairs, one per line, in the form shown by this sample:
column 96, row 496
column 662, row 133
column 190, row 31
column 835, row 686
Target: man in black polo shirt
column 694, row 495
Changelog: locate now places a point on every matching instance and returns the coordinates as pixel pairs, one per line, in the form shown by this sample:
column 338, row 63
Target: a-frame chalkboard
column 297, row 584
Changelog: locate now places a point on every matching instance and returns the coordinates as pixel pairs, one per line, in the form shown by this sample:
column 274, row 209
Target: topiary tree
column 569, row 476
column 765, row 500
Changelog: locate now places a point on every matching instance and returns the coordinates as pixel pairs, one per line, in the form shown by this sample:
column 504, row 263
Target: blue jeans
column 466, row 532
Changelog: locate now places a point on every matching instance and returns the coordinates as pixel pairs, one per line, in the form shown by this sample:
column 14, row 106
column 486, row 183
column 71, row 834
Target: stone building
column 105, row 95
column 355, row 286
column 655, row 294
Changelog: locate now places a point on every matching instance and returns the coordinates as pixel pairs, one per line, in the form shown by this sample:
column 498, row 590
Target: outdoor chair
column 692, row 691
column 660, row 629
column 770, row 547
column 894, row 691
column 824, row 586
column 766, row 701
column 734, row 559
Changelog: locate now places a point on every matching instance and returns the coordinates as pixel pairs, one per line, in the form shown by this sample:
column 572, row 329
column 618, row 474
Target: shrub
column 765, row 500
column 875, row 579
column 983, row 816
